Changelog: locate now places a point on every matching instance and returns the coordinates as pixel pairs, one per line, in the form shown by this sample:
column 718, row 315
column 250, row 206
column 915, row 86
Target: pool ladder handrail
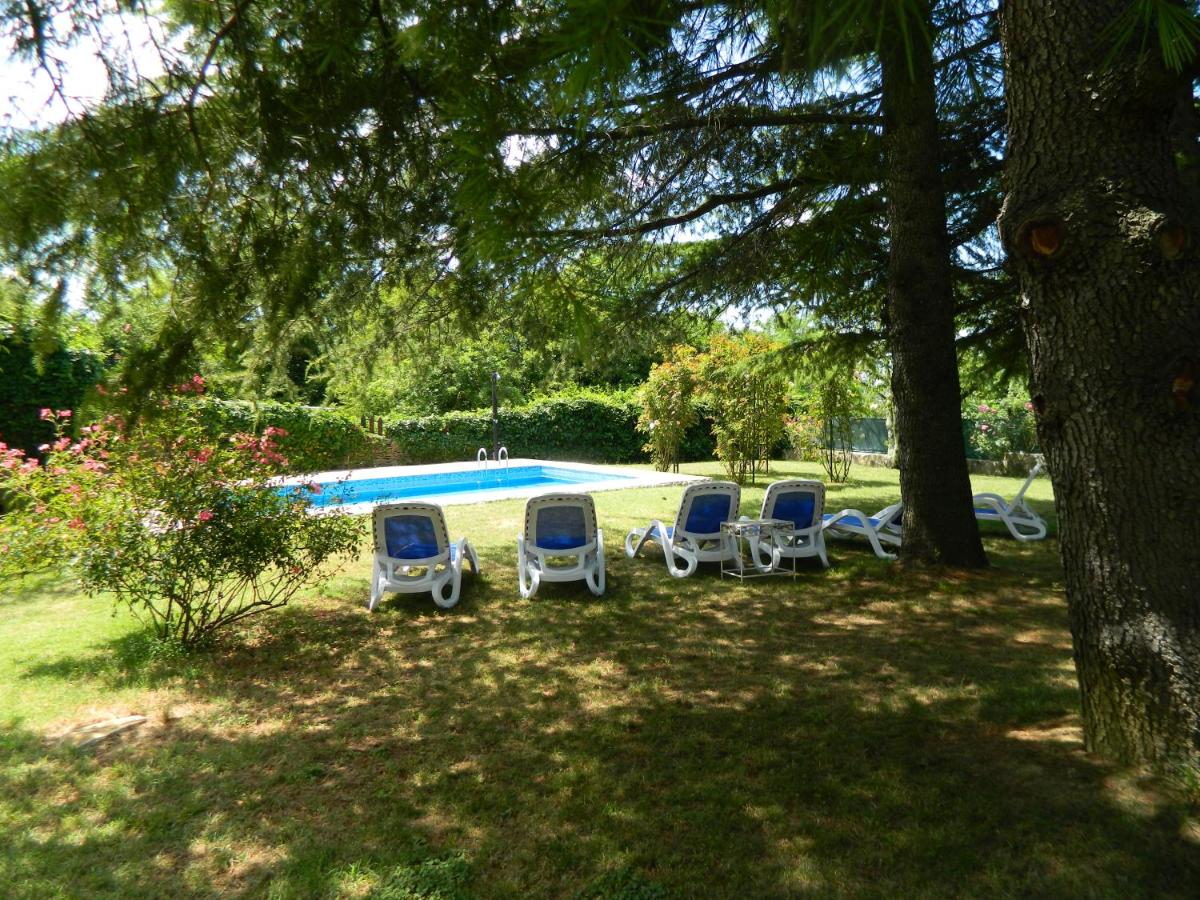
column 481, row 458
column 502, row 456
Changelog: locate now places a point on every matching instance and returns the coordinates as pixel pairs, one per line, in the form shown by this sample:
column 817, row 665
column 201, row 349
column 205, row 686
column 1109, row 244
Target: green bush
column 27, row 385
column 183, row 529
column 319, row 439
column 997, row 427
column 668, row 407
column 577, row 426
column 584, row 426
column 740, row 383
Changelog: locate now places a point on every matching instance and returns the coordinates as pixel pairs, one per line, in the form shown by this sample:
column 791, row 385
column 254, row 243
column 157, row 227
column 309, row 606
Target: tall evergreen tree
column 939, row 515
column 299, row 156
column 1101, row 225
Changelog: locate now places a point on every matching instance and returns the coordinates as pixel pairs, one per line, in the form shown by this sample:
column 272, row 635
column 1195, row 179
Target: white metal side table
column 745, row 533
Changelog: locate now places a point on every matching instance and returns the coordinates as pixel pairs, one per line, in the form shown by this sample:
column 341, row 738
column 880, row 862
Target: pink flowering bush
column 1001, row 426
column 183, row 529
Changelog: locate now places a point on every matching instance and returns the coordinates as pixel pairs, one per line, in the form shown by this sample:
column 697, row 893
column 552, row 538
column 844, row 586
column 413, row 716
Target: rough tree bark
column 1100, row 230
column 939, row 521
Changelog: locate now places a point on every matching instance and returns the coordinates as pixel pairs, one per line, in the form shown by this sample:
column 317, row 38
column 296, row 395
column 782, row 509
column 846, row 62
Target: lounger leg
column 641, row 535
column 468, row 553
column 595, row 574
column 452, row 580
column 757, row 549
column 690, row 559
column 871, row 536
column 377, row 577
column 819, row 539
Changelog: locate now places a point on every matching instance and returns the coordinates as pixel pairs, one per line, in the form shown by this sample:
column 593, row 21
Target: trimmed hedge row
column 579, row 427
column 317, row 438
column 590, row 427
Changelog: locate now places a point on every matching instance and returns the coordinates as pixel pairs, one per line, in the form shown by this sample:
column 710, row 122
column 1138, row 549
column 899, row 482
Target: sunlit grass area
column 856, row 731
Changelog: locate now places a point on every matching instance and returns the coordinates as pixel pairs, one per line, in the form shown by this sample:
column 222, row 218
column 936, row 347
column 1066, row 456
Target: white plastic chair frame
column 533, row 560
column 804, row 541
column 440, row 574
column 689, row 547
column 1021, row 521
column 879, row 529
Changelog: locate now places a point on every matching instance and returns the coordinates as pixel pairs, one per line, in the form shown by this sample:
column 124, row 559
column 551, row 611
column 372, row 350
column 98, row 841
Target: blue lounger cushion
column 410, row 537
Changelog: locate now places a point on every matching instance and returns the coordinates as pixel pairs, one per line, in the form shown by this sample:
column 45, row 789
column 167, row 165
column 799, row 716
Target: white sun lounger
column 1021, row 521
column 557, row 527
column 802, row 503
column 413, row 553
column 696, row 536
column 879, row 529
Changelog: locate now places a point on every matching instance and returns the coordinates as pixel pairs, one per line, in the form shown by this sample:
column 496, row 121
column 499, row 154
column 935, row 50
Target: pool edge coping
column 638, row 478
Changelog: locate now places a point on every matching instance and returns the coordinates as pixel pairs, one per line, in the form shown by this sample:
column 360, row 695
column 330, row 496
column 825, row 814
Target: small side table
column 767, row 531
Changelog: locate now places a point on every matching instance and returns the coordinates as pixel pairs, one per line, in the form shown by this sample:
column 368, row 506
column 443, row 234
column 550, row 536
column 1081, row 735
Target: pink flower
column 1029, row 406
column 985, row 427
column 76, row 523
column 205, row 515
column 64, row 414
column 44, row 414
column 54, row 520
column 62, row 444
column 42, row 448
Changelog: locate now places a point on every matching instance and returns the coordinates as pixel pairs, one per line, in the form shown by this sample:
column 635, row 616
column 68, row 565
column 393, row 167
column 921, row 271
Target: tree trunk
column 1098, row 229
column 939, row 521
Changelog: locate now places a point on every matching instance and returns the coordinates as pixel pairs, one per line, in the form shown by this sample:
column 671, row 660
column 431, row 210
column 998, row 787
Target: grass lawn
column 857, row 731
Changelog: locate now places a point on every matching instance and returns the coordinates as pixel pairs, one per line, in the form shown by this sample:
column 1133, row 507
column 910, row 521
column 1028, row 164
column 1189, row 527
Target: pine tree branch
column 717, row 123
column 714, row 201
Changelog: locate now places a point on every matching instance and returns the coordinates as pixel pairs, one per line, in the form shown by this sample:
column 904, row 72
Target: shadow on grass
column 135, row 659
column 860, row 731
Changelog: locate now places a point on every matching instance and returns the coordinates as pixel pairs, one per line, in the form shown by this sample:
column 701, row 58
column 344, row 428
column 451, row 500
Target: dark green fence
column 870, row 435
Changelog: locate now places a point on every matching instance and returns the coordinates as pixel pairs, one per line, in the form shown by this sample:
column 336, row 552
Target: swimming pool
column 453, row 483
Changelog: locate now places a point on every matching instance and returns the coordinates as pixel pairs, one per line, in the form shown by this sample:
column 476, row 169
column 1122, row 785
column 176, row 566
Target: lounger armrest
column 989, row 499
column 832, row 521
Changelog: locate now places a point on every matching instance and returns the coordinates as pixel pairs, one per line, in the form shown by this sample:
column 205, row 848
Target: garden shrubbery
column 319, row 439
column 30, row 381
column 183, row 529
column 994, row 428
column 581, row 426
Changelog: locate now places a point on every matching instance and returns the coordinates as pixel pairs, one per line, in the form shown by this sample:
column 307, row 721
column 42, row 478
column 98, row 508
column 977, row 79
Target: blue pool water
column 415, row 487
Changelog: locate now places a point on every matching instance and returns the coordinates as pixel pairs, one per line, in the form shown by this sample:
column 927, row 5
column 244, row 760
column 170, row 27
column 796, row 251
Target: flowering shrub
column 748, row 399
column 668, row 408
column 805, row 436
column 1002, row 426
column 184, row 530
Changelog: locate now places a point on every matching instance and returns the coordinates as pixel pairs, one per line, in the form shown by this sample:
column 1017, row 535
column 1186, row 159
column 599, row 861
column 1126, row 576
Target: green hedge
column 318, row 438
column 586, row 426
column 27, row 385
column 578, row 427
